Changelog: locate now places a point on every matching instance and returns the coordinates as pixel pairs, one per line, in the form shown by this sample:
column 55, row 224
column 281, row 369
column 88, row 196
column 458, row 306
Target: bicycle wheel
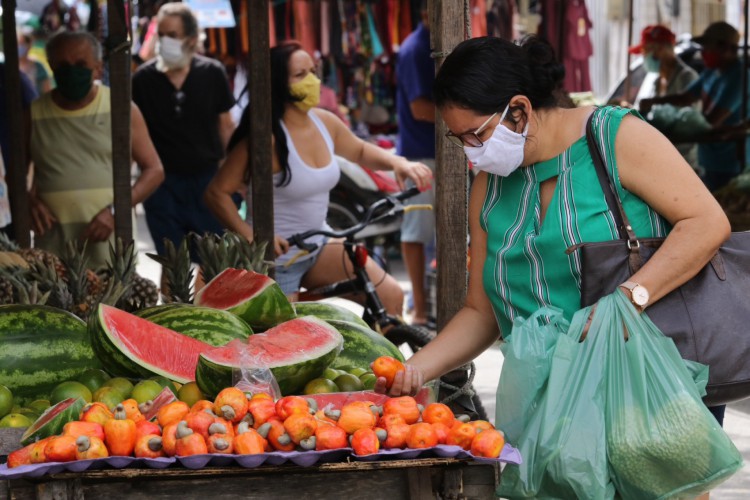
column 413, row 336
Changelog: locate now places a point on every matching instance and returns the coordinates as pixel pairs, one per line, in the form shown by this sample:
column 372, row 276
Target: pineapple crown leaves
column 7, row 244
column 178, row 271
column 28, row 292
column 76, row 264
column 216, row 254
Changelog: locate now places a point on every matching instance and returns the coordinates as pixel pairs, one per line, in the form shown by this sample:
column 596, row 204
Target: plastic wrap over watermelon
column 302, row 458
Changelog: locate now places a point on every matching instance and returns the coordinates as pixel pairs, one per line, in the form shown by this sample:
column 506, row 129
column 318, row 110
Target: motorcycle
column 358, row 188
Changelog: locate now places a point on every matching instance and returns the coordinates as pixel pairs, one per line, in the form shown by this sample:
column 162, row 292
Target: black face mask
column 73, row 82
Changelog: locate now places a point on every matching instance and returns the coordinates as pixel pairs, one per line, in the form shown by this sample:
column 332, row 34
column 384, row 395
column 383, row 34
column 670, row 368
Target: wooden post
column 742, row 143
column 626, row 88
column 259, row 140
column 17, row 168
column 118, row 52
column 447, row 29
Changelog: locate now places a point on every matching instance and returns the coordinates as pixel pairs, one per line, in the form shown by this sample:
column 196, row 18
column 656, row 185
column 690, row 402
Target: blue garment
column 721, row 89
column 415, row 74
column 28, row 94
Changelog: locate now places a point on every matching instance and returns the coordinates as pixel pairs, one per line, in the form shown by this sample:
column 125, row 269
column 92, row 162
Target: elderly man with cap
column 719, row 89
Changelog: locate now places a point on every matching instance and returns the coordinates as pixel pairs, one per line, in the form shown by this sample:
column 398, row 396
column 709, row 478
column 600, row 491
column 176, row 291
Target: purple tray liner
column 301, row 458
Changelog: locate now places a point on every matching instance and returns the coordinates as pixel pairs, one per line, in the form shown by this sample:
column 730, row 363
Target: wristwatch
column 638, row 294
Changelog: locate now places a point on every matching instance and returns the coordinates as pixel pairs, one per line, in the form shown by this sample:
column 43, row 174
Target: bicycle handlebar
column 392, row 201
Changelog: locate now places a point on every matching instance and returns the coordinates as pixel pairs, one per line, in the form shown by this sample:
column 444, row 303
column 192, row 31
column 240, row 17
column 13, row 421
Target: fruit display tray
column 508, row 455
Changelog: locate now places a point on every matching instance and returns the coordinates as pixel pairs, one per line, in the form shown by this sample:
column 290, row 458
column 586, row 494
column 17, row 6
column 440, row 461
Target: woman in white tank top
column 305, row 140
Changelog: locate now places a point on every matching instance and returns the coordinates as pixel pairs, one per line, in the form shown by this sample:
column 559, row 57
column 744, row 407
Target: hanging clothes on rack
column 478, row 10
column 325, row 28
column 304, row 24
column 577, row 47
column 500, row 18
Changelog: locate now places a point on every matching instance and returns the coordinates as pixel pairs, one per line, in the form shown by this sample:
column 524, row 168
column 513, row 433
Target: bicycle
column 375, row 315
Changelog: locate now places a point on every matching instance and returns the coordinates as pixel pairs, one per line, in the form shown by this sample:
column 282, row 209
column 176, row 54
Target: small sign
column 213, row 13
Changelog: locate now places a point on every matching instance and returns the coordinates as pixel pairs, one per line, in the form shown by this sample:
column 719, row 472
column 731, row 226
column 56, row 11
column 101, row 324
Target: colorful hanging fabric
column 376, row 45
column 478, row 18
column 325, row 28
column 405, row 26
column 304, row 25
column 393, row 20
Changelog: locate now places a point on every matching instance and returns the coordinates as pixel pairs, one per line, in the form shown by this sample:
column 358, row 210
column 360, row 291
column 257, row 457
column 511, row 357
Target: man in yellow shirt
column 71, row 147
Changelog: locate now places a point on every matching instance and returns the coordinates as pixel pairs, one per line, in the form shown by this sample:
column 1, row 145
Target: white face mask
column 502, row 153
column 171, row 53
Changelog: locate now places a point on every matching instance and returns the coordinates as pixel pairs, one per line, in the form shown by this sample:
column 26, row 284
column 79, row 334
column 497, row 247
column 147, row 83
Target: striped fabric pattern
column 72, row 155
column 526, row 266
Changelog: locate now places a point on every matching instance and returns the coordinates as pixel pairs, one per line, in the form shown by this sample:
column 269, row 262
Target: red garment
column 478, row 18
column 271, row 25
column 578, row 47
column 405, row 25
column 394, row 9
column 304, row 25
column 325, row 28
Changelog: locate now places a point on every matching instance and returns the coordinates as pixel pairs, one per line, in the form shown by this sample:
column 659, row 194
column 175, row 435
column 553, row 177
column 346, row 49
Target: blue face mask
column 651, row 64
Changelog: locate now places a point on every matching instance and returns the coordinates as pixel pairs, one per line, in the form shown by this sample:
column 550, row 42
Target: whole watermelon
column 362, row 346
column 40, row 347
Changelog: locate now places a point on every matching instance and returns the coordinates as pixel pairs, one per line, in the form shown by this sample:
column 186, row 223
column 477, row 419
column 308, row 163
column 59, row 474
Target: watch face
column 640, row 295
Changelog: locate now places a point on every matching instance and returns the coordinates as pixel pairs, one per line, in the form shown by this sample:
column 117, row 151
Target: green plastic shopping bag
column 563, row 444
column 662, row 442
column 527, row 358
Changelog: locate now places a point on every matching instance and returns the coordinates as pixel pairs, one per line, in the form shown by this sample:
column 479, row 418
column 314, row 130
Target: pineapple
column 230, row 250
column 177, row 271
column 32, row 255
column 145, row 293
column 77, row 279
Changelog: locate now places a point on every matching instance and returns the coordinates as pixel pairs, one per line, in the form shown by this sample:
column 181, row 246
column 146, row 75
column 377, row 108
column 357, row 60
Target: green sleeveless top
column 526, row 266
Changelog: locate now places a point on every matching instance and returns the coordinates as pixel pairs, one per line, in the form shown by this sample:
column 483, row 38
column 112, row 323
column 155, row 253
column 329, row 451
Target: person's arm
column 146, row 157
column 226, row 128
column 227, row 181
column 423, row 109
column 679, row 100
column 660, row 177
column 356, row 150
column 102, row 225
column 471, row 331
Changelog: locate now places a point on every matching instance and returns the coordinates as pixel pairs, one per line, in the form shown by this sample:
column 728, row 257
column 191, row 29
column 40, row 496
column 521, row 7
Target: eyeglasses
column 470, row 139
column 179, row 99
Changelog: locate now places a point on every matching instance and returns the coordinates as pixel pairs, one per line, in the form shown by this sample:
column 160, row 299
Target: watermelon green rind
column 212, row 326
column 216, row 368
column 362, row 346
column 41, row 346
column 52, row 421
column 327, row 311
column 254, row 297
column 122, row 354
column 148, row 312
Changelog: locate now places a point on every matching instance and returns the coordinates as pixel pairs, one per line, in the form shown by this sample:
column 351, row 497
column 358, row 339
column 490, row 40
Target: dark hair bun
column 547, row 71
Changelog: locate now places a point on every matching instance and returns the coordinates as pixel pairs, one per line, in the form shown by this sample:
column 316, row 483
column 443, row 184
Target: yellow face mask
column 307, row 89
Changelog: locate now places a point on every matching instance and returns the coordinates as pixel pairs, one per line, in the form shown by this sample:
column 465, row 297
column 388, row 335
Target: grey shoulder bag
column 708, row 318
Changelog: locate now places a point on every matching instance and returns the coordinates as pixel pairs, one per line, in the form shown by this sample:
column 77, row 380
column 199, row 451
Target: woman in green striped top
column 537, row 193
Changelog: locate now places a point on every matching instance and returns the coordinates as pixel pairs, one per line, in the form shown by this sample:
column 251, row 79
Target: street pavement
column 489, row 364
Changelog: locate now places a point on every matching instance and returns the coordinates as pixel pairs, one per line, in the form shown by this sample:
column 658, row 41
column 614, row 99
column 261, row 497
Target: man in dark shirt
column 185, row 99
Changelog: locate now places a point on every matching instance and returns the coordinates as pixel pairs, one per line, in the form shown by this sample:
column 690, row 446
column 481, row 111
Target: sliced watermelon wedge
column 129, row 346
column 53, row 420
column 254, row 297
column 296, row 351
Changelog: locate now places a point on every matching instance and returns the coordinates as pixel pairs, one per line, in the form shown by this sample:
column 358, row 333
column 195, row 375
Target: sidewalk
column 489, row 364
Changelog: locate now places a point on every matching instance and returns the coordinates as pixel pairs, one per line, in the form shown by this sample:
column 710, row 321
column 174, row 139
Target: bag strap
column 624, row 229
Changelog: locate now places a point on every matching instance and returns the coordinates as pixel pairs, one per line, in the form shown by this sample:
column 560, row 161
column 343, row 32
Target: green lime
column 190, row 393
column 123, row 386
column 145, row 390
column 346, row 368
column 330, row 373
column 358, row 371
column 368, row 380
column 320, row 385
column 349, row 383
column 40, row 405
column 70, row 389
column 31, row 413
column 165, row 382
column 6, row 401
column 93, row 378
column 15, row 420
column 109, row 396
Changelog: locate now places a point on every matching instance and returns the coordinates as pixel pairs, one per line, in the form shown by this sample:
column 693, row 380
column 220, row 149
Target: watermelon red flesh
column 130, row 346
column 296, row 352
column 254, row 297
column 53, row 420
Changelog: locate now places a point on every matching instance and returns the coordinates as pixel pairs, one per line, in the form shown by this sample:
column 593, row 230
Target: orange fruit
column 387, row 367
